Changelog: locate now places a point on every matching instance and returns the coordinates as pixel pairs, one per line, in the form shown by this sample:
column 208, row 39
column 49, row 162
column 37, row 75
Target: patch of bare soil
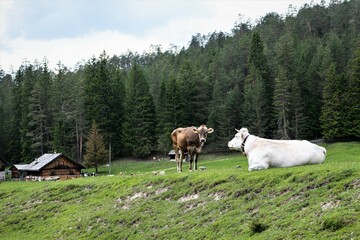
column 218, row 195
column 189, row 197
column 330, row 205
column 356, row 183
column 126, row 203
column 161, row 190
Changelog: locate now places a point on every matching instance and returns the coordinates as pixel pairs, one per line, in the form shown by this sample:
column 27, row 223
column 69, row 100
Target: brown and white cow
column 190, row 140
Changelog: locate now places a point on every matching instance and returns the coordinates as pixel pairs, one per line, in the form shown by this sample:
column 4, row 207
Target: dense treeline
column 294, row 76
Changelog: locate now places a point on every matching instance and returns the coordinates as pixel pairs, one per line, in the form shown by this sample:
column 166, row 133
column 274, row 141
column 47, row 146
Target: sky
column 73, row 31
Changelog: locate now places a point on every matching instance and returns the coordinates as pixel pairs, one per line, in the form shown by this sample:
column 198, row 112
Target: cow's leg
column 180, row 161
column 196, row 155
column 190, row 160
column 177, row 159
column 257, row 165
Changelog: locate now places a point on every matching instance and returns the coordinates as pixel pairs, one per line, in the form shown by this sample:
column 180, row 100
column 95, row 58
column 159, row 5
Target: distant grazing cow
column 265, row 153
column 190, row 140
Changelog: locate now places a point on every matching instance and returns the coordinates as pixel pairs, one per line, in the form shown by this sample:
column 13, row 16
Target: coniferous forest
column 285, row 77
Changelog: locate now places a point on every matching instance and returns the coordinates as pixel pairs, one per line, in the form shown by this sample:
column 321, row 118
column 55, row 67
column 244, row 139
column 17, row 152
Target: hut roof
column 44, row 160
column 20, row 166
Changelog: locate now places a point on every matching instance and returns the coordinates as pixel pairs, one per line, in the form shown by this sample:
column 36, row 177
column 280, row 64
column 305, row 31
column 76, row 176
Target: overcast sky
column 71, row 31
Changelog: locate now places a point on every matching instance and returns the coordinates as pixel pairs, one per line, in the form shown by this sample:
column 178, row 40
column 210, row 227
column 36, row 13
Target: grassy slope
column 308, row 202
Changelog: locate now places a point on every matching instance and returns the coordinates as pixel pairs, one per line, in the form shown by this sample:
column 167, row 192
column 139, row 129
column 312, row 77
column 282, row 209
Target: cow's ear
column 210, row 130
column 195, row 130
column 237, row 130
column 244, row 133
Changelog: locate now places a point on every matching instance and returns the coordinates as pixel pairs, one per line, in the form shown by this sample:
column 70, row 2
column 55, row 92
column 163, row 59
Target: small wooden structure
column 172, row 156
column 49, row 166
column 3, row 164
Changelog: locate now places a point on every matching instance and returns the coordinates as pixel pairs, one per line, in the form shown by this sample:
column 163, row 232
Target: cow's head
column 237, row 143
column 202, row 131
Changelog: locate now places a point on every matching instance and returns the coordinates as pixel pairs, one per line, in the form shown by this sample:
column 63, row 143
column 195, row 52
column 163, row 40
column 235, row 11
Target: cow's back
column 184, row 137
column 286, row 153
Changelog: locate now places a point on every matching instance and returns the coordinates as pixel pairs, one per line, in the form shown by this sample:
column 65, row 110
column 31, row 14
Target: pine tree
column 14, row 146
column 253, row 114
column 282, row 104
column 297, row 120
column 163, row 132
column 258, row 91
column 97, row 86
column 174, row 109
column 6, row 87
column 352, row 106
column 231, row 117
column 170, row 112
column 216, row 117
column 61, row 111
column 332, row 114
column 313, row 88
column 37, row 124
column 140, row 117
column 104, row 99
column 38, row 119
column 26, row 78
column 194, row 93
column 96, row 152
column 78, row 113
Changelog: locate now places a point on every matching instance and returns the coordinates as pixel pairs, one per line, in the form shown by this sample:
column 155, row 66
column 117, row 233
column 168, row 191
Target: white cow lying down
column 264, row 153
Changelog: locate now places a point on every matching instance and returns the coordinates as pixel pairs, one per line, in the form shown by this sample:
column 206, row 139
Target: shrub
column 257, row 227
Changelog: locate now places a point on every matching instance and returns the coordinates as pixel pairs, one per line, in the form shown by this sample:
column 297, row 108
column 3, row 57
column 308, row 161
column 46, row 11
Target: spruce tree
column 27, row 79
column 77, row 113
column 352, row 106
column 170, row 112
column 253, row 114
column 282, row 104
column 163, row 130
column 258, row 91
column 96, row 152
column 231, row 117
column 216, row 116
column 313, row 88
column 195, row 94
column 36, row 125
column 140, row 117
column 6, row 87
column 297, row 120
column 14, row 146
column 62, row 116
column 332, row 114
column 104, row 99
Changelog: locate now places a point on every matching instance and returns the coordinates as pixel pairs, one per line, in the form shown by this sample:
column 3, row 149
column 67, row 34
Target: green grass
column 129, row 166
column 223, row 202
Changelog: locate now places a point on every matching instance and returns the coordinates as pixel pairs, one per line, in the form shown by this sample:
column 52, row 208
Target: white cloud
column 6, row 8
column 71, row 51
column 201, row 17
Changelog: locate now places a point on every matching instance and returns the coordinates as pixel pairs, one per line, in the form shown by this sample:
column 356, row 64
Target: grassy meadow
column 223, row 202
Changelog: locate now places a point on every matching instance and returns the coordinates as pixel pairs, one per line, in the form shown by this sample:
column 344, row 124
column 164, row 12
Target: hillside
column 308, row 202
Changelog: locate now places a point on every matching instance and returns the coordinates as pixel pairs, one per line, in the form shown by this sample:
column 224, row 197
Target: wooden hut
column 48, row 166
column 3, row 164
column 18, row 171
